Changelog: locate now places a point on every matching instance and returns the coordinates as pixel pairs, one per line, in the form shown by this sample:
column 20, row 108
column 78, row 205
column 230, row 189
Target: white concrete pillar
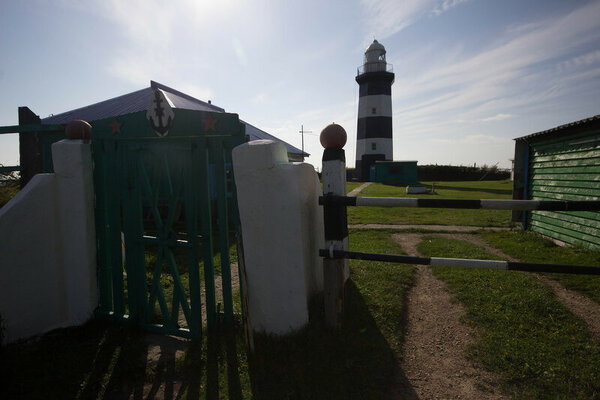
column 48, row 248
column 75, row 205
column 282, row 227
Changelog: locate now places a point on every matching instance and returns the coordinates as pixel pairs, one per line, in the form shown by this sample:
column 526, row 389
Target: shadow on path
column 100, row 360
column 356, row 363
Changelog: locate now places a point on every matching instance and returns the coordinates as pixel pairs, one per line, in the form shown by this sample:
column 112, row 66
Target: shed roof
column 572, row 127
column 139, row 100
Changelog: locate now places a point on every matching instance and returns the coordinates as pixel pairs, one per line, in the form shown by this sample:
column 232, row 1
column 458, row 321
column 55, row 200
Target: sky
column 470, row 75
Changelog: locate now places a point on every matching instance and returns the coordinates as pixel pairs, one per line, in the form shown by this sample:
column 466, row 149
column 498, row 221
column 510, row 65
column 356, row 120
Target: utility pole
column 302, row 131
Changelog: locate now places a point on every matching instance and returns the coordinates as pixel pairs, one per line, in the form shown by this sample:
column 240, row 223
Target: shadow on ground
column 103, row 361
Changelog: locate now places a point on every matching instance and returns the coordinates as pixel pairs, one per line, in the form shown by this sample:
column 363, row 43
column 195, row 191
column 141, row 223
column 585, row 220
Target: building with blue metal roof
column 139, row 100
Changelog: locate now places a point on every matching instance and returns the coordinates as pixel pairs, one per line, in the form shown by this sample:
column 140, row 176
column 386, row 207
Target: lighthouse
column 374, row 131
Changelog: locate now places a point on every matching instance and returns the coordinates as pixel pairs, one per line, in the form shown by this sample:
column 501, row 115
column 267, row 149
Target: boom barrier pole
column 528, row 205
column 336, row 270
column 464, row 262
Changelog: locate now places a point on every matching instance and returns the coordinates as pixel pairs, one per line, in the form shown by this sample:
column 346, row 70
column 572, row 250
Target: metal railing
column 374, row 67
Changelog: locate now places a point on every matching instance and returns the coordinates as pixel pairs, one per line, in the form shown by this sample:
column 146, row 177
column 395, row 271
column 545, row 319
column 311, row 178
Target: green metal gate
column 165, row 201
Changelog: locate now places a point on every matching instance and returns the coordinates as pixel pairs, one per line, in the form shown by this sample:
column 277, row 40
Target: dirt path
column 582, row 306
column 166, row 350
column 235, row 284
column 436, row 341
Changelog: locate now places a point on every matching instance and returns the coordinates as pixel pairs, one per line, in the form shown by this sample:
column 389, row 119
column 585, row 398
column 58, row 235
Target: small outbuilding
column 394, row 172
column 562, row 163
column 35, row 146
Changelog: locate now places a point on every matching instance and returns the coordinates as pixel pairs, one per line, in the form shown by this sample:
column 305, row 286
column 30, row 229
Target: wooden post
column 30, row 147
column 336, row 271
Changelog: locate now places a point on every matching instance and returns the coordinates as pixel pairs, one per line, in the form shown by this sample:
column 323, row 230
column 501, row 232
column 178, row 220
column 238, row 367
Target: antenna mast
column 302, row 131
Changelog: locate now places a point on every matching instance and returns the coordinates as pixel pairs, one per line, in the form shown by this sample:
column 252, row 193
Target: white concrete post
column 282, row 228
column 75, row 205
column 48, row 247
column 336, row 270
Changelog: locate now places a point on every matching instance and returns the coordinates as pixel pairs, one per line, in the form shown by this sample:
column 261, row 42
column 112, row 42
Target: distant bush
column 460, row 173
column 9, row 186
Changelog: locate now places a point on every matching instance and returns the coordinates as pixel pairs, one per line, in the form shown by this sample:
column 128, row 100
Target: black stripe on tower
column 374, row 127
column 374, row 83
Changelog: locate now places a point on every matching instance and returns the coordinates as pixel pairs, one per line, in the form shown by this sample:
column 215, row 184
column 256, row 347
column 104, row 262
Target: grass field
column 435, row 216
column 525, row 335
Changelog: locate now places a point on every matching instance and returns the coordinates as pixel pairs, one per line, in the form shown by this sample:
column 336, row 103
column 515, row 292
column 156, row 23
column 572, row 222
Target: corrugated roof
column 139, row 100
column 560, row 128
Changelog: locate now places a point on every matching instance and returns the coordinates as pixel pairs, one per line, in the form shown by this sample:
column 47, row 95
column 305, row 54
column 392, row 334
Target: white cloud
column 387, row 17
column 260, row 98
column 497, row 117
column 240, row 53
column 516, row 72
column 446, row 5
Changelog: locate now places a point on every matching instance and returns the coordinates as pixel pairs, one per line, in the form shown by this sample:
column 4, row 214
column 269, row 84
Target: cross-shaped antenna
column 302, row 131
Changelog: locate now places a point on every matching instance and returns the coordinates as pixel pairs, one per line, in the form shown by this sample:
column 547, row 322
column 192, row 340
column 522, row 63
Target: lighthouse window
column 373, row 110
column 373, row 146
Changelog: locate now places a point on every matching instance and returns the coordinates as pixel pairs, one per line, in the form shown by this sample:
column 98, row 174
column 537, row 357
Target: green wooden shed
column 394, row 172
column 561, row 163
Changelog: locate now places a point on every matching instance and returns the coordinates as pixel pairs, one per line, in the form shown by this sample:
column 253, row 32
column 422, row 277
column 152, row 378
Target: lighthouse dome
column 375, row 57
column 375, row 46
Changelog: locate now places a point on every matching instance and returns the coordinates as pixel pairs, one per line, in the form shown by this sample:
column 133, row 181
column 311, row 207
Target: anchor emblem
column 160, row 114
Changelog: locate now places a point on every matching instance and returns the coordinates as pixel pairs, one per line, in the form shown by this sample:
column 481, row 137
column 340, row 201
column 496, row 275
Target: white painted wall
column 282, row 227
column 47, row 248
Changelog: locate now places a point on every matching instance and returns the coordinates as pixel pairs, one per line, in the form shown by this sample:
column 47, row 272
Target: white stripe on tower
column 379, row 105
column 375, row 146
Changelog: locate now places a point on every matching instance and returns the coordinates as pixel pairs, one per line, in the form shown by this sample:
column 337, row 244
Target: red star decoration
column 115, row 126
column 209, row 123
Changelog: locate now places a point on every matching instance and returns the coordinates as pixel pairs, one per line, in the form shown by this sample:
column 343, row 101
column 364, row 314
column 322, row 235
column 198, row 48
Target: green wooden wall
column 566, row 168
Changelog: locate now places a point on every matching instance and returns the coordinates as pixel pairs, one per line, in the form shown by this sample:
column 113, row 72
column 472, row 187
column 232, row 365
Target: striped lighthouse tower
column 374, row 132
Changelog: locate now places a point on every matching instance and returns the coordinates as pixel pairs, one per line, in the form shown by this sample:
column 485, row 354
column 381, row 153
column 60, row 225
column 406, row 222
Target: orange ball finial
column 333, row 136
column 78, row 129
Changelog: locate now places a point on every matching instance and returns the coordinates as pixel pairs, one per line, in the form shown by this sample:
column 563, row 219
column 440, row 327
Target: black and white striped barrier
column 461, row 262
column 525, row 205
